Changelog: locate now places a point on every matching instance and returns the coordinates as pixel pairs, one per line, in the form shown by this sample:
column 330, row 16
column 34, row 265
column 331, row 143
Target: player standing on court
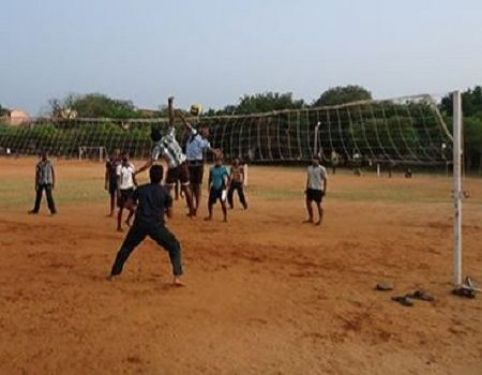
column 218, row 181
column 236, row 182
column 44, row 180
column 111, row 179
column 169, row 149
column 126, row 182
column 153, row 202
column 316, row 185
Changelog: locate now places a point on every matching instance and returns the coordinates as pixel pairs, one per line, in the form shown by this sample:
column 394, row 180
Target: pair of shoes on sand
column 467, row 289
column 407, row 299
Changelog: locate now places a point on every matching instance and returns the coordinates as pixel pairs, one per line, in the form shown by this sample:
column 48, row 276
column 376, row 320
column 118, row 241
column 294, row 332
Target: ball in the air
column 196, row 109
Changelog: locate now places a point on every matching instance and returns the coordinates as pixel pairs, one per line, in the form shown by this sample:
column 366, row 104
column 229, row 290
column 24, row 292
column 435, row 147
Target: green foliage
column 258, row 103
column 98, row 106
column 471, row 102
column 342, row 95
column 3, row 111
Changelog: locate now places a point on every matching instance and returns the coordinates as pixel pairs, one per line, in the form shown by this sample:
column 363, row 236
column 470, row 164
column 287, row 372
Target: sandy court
column 265, row 294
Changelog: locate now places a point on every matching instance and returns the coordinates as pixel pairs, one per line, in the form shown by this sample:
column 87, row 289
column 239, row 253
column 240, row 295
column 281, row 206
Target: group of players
column 184, row 168
column 151, row 202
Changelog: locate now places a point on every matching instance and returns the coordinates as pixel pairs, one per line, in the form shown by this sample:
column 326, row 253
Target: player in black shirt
column 111, row 179
column 153, row 202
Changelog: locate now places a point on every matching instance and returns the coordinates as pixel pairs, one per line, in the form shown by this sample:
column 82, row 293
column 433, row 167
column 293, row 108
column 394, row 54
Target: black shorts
column 180, row 173
column 196, row 172
column 314, row 195
column 124, row 196
column 112, row 187
column 217, row 194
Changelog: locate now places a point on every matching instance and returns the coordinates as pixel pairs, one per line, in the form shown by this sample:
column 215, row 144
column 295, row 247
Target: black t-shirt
column 152, row 202
column 111, row 166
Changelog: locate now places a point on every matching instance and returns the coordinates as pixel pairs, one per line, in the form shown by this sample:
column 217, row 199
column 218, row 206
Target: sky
column 213, row 51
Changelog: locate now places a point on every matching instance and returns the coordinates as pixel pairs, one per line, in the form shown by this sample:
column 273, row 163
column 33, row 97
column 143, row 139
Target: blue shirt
column 218, row 174
column 195, row 146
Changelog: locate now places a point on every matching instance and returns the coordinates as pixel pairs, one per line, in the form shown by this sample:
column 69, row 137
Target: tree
column 471, row 102
column 342, row 94
column 258, row 103
column 3, row 111
column 94, row 105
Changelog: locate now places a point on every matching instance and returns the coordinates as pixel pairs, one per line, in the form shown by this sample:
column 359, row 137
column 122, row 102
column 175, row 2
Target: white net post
column 457, row 150
column 315, row 142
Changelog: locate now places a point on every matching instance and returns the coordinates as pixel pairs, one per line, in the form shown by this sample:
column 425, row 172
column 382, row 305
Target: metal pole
column 457, row 138
column 315, row 146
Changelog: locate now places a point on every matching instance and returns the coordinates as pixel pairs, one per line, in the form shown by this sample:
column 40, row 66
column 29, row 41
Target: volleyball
column 196, row 109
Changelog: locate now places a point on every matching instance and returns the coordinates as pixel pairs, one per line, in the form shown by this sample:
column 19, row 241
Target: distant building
column 68, row 113
column 15, row 117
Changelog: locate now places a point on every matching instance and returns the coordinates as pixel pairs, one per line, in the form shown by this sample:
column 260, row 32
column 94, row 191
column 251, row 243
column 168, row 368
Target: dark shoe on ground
column 384, row 286
column 32, row 212
column 464, row 292
column 403, row 300
column 421, row 295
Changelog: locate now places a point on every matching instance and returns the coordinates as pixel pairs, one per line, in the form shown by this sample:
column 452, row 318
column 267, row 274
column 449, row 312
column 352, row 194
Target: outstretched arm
column 186, row 123
column 146, row 165
column 170, row 109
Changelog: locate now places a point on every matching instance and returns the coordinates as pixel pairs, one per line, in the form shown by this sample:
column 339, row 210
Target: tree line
column 101, row 106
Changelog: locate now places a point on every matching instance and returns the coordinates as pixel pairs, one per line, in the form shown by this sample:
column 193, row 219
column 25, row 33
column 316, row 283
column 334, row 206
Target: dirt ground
column 265, row 294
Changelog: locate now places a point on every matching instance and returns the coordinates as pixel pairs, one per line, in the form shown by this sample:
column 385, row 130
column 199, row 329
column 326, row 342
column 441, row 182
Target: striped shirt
column 45, row 173
column 196, row 145
column 169, row 149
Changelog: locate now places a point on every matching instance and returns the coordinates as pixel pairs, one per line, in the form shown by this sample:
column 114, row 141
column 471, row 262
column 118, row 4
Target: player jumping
column 169, row 149
column 196, row 144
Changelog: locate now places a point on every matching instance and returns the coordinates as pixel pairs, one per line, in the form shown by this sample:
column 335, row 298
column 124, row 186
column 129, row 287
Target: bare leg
column 196, row 190
column 225, row 211
column 320, row 214
column 188, row 195
column 112, row 204
column 210, row 210
column 310, row 211
column 176, row 190
column 129, row 217
column 230, row 196
column 119, row 219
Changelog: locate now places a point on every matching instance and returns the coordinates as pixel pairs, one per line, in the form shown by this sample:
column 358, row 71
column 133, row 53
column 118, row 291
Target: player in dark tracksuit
column 153, row 202
column 111, row 179
column 44, row 180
